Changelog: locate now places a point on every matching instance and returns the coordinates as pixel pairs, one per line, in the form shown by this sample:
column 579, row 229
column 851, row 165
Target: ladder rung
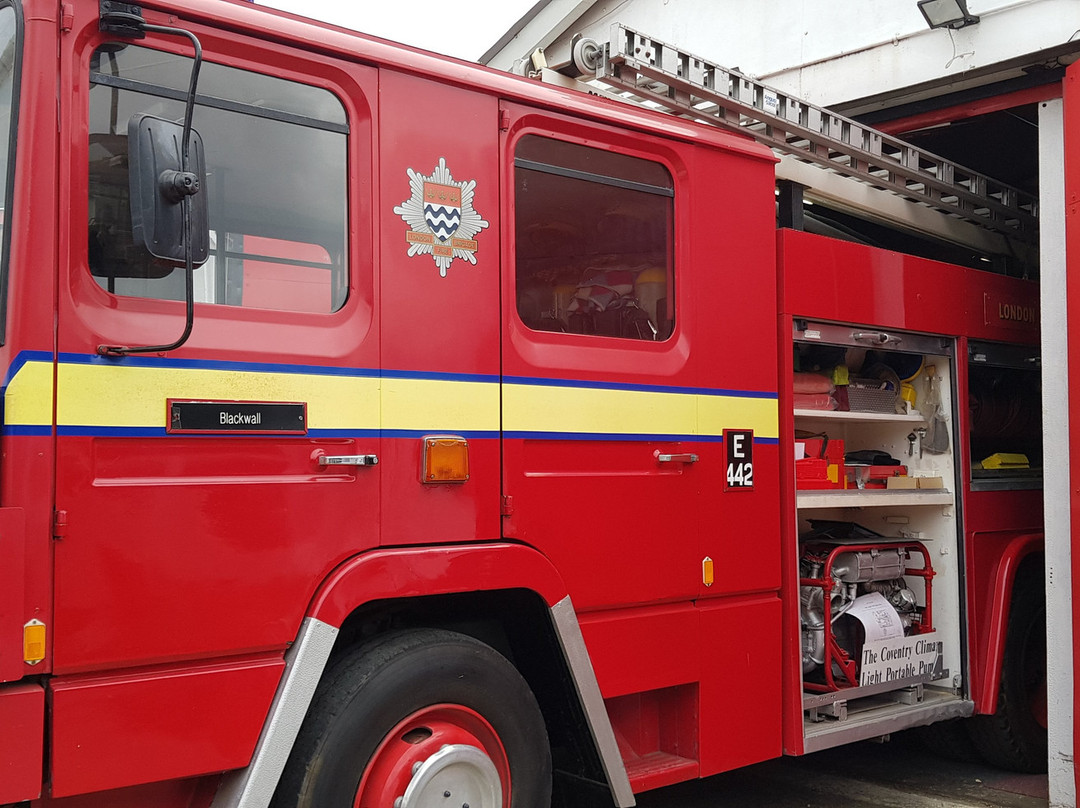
column 689, row 86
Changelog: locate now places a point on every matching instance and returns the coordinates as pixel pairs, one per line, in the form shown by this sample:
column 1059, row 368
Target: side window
column 1005, row 416
column 594, row 241
column 276, row 183
column 10, row 58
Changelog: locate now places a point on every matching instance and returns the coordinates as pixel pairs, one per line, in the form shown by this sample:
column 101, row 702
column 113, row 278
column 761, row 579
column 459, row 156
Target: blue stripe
column 619, row 436
column 336, row 433
column 160, row 432
column 490, row 378
column 269, row 367
column 33, row 431
column 642, row 388
column 211, row 364
column 371, row 373
column 608, row 436
column 419, row 433
column 111, row 431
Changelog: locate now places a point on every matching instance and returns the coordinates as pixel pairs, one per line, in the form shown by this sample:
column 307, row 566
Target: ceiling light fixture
column 947, row 13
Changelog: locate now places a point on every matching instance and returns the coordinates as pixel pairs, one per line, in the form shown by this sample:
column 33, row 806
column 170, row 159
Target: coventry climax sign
column 917, row 658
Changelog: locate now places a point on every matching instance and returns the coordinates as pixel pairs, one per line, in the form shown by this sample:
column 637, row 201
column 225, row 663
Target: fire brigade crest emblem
column 442, row 219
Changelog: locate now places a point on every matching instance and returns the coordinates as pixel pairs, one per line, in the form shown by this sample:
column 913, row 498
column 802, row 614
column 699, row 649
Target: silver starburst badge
column 441, row 216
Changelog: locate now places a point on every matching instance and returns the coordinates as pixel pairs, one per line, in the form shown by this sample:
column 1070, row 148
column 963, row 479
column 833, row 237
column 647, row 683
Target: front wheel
column 418, row 718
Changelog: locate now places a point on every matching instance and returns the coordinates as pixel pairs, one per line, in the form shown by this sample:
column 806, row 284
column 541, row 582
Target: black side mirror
column 159, row 186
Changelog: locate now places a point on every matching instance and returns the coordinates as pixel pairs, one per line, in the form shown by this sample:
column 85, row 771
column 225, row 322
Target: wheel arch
column 417, row 572
column 506, row 595
column 1023, row 555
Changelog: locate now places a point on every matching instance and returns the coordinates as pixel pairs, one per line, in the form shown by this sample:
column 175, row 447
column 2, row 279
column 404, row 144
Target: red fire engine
column 379, row 427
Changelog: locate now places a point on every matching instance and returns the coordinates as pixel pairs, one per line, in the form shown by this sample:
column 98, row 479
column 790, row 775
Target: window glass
column 594, row 241
column 170, row 75
column 9, row 58
column 1005, row 416
column 276, row 183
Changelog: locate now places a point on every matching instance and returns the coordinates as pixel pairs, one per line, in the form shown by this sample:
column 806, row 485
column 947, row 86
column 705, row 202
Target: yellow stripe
column 443, row 406
column 717, row 413
column 132, row 396
column 539, row 408
column 29, row 395
column 536, row 408
column 92, row 395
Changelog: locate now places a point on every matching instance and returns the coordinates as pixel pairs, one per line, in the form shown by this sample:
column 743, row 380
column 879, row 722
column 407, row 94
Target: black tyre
column 425, row 716
column 1014, row 737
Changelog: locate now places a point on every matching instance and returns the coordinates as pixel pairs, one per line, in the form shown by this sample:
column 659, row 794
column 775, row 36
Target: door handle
column 349, row 460
column 684, row 457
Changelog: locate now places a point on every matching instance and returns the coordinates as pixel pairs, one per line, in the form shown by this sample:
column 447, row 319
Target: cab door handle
column 349, row 460
column 683, row 457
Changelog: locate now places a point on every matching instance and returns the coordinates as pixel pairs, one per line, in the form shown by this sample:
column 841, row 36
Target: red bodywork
column 173, row 571
column 1072, row 246
column 835, row 281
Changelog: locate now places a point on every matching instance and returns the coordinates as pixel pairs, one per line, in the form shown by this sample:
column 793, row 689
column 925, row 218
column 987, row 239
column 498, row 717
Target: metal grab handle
column 875, row 337
column 685, row 457
column 349, row 460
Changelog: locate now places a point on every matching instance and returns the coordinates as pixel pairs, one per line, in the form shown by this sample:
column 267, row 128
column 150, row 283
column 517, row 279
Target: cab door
column 603, row 450
column 640, row 446
column 207, row 490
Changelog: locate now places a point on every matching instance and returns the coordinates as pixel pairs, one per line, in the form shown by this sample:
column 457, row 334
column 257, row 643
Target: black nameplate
column 232, row 417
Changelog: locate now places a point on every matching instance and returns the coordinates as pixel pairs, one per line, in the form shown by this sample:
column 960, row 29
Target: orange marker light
column 33, row 642
column 707, row 571
column 446, row 459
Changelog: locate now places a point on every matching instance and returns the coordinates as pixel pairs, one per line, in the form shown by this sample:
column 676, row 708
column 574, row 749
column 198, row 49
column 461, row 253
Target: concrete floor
column 901, row 773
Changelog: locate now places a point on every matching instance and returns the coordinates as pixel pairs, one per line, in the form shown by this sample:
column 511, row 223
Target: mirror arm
column 189, row 267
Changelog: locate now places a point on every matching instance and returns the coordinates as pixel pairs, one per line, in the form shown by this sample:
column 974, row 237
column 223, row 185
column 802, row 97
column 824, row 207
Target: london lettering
column 1010, row 312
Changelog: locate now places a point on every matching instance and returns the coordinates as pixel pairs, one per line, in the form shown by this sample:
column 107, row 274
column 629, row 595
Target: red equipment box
column 821, row 466
column 874, row 477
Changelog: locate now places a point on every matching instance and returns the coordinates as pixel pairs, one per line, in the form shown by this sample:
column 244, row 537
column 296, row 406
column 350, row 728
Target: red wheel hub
column 445, row 749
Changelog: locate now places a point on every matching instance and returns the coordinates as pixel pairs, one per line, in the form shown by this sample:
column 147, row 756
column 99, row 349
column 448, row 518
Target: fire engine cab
column 380, row 429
